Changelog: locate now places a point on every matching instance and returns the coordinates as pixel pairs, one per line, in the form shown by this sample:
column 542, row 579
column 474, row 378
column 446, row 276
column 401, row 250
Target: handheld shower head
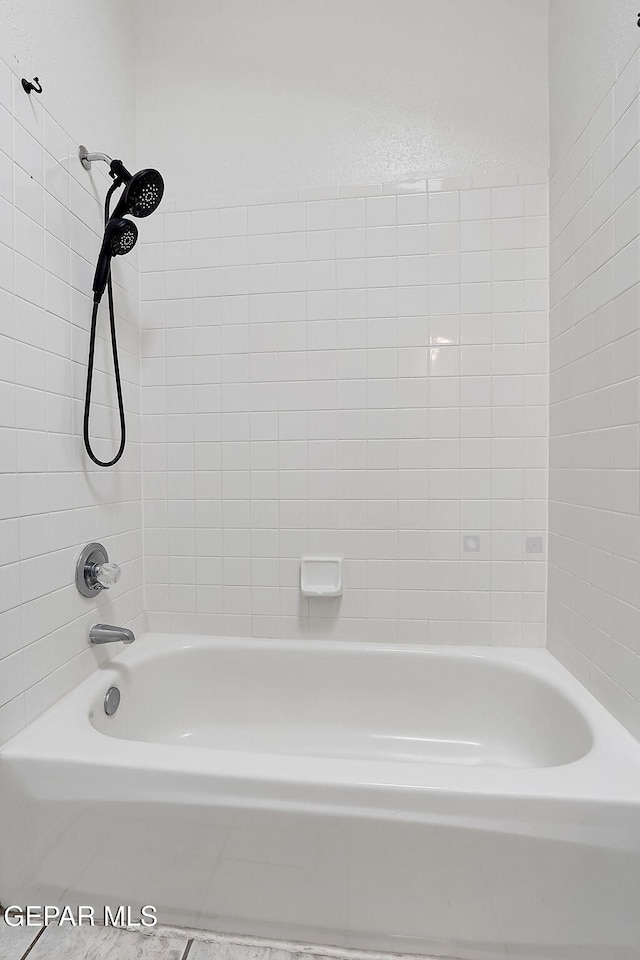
column 120, row 237
column 141, row 195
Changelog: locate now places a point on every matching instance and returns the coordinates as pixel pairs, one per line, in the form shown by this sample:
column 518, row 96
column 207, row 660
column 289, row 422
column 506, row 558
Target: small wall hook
column 28, row 86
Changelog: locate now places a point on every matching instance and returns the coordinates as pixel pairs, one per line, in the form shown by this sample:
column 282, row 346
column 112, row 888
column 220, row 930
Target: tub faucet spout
column 105, row 633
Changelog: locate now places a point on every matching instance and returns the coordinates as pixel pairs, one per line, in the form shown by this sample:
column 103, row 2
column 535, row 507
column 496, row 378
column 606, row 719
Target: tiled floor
column 161, row 943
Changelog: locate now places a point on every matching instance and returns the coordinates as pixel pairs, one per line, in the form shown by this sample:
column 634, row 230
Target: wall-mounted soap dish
column 321, row 576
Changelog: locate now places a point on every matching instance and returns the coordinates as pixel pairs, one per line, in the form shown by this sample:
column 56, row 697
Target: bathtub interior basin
column 392, row 704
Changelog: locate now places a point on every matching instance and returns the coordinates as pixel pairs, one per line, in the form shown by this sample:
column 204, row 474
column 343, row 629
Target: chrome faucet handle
column 94, row 572
column 106, row 574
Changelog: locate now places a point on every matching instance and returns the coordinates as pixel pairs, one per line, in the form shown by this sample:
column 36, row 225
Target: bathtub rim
column 609, row 771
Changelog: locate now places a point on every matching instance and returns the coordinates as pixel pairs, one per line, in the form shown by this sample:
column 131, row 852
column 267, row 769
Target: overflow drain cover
column 111, row 701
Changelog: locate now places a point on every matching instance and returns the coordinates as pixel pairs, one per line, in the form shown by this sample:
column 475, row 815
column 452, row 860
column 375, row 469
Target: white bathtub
column 470, row 803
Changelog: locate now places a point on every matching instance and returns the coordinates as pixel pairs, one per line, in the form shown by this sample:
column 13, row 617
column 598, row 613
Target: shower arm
column 117, row 170
column 86, row 158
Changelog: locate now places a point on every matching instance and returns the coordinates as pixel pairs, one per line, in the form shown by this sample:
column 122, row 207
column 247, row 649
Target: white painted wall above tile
column 84, row 55
column 236, row 95
column 587, row 40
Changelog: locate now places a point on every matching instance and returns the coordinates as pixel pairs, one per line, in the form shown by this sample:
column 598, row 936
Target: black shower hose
column 116, row 365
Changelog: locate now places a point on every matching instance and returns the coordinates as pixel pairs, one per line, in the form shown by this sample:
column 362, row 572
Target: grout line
column 187, row 949
column 294, row 948
column 33, row 943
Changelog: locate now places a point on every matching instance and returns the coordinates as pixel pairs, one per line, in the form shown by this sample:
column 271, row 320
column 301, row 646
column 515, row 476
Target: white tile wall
column 594, row 551
column 51, row 503
column 360, row 371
